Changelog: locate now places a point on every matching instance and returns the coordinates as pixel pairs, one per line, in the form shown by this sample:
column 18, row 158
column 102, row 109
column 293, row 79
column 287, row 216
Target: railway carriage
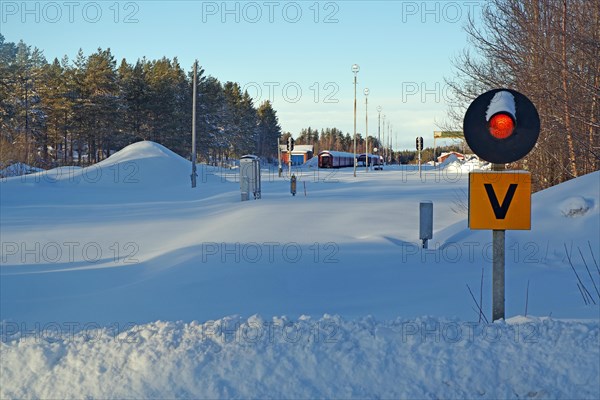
column 340, row 159
column 374, row 160
column 335, row 159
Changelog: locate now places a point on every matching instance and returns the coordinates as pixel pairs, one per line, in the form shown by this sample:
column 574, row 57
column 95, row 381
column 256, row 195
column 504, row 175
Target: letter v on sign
column 500, row 210
column 500, row 200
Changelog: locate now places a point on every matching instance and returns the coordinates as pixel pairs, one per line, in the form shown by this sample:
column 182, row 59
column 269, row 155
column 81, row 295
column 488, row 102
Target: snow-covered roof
column 451, row 152
column 337, row 153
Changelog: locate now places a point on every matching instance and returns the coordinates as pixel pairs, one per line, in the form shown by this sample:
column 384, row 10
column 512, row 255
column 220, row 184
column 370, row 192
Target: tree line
column 333, row 139
column 80, row 111
column 548, row 50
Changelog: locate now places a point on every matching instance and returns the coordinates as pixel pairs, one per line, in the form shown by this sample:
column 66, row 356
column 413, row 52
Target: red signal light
column 501, row 126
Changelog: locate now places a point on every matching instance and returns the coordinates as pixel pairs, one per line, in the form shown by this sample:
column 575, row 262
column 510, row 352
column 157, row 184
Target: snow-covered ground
column 119, row 280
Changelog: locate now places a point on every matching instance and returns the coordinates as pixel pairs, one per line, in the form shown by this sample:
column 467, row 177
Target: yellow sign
column 500, row 200
column 448, row 135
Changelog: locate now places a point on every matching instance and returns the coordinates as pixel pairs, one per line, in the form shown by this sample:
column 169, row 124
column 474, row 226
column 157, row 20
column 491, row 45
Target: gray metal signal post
column 498, row 262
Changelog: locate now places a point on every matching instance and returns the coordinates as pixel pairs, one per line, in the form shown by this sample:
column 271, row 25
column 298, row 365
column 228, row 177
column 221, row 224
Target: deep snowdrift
column 305, row 358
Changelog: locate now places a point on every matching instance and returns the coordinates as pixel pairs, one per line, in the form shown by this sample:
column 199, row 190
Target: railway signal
column 501, row 126
column 290, row 148
column 420, row 143
column 419, row 150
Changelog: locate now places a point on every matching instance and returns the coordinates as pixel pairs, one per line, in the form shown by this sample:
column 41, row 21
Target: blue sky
column 298, row 54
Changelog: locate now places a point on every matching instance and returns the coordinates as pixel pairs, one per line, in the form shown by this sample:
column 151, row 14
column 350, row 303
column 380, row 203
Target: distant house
column 444, row 156
column 301, row 153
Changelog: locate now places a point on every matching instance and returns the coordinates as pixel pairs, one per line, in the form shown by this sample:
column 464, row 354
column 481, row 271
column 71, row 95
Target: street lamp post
column 366, row 92
column 390, row 151
column 379, row 126
column 355, row 69
column 376, row 154
column 383, row 136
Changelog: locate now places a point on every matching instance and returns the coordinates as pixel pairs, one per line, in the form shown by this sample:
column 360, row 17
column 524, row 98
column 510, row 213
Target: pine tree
column 8, row 103
column 240, row 130
column 135, row 96
column 211, row 119
column 269, row 130
column 29, row 117
column 56, row 109
column 249, row 137
column 100, row 83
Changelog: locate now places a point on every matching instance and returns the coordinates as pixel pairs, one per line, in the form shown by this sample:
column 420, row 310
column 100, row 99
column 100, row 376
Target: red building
column 301, row 153
column 443, row 156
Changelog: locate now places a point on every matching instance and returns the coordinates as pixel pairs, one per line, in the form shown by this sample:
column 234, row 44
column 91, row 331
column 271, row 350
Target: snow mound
column 327, row 357
column 575, row 206
column 142, row 150
column 451, row 159
column 311, row 163
column 455, row 166
column 140, row 164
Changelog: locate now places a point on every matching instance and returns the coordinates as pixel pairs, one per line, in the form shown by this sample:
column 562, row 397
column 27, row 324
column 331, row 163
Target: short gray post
column 425, row 221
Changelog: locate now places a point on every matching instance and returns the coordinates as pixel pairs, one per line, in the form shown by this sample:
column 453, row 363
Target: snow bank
column 453, row 165
column 305, row 358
